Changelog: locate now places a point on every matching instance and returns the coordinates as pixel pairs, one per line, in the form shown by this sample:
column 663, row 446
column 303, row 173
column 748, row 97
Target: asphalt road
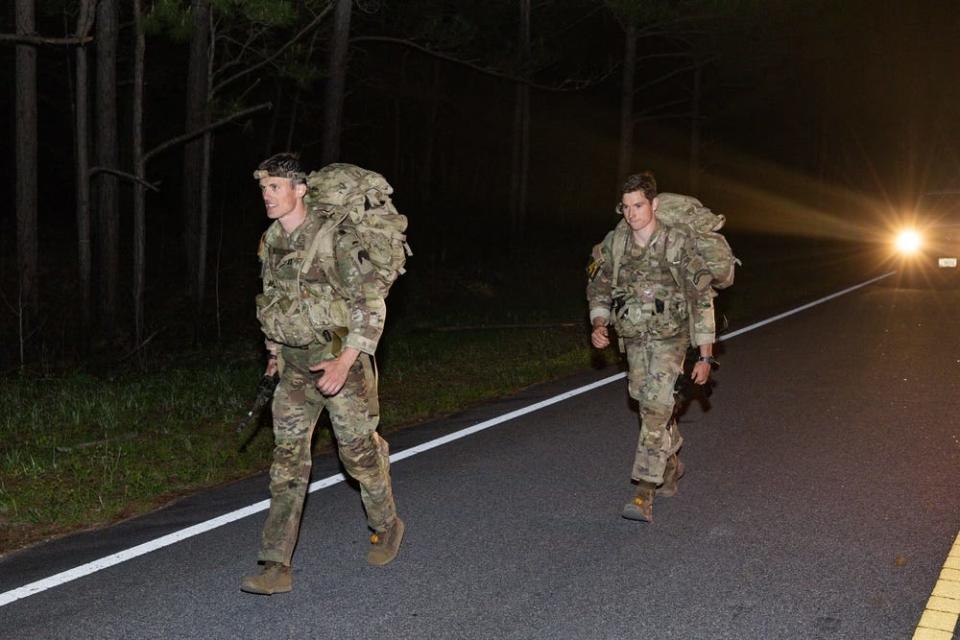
column 820, row 502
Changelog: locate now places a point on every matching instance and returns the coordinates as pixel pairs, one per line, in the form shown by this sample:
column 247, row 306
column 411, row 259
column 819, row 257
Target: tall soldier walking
column 322, row 310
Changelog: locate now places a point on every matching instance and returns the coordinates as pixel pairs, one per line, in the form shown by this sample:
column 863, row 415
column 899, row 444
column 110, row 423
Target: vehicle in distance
column 927, row 250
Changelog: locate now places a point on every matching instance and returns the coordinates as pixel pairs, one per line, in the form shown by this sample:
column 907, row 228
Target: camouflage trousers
column 354, row 414
column 655, row 364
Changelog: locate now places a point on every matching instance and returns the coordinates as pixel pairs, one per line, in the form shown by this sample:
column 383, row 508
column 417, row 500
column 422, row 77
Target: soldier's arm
column 704, row 334
column 599, row 294
column 366, row 311
column 600, row 283
column 266, row 275
column 366, row 307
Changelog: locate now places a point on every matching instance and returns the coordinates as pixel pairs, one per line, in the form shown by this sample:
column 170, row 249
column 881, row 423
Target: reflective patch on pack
column 596, row 261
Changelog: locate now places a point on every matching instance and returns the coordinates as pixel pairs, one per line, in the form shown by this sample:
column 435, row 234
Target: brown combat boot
column 641, row 508
column 671, row 475
column 386, row 544
column 275, row 578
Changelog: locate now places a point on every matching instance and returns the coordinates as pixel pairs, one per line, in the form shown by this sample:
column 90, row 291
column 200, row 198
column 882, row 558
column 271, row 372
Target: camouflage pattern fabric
column 645, row 298
column 321, row 293
column 360, row 199
column 365, row 455
column 346, row 185
column 716, row 262
column 656, row 317
column 654, row 368
column 337, row 289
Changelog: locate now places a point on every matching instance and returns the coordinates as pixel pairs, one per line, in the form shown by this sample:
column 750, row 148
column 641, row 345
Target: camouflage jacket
column 654, row 293
column 337, row 292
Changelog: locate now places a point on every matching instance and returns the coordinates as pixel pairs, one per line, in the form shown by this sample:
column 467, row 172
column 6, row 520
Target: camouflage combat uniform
column 308, row 314
column 656, row 318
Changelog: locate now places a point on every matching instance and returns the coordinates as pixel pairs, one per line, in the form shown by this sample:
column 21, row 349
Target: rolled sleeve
column 599, row 312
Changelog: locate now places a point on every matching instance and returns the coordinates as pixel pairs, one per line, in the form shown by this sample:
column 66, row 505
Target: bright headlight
column 908, row 241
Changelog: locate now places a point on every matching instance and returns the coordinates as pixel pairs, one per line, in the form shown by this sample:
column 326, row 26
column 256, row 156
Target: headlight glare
column 908, row 241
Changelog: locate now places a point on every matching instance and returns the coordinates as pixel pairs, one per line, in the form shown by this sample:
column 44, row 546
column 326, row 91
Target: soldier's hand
column 272, row 367
column 600, row 337
column 700, row 373
column 335, row 371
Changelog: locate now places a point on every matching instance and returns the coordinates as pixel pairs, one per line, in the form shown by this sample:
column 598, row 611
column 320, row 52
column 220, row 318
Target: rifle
column 685, row 389
column 265, row 389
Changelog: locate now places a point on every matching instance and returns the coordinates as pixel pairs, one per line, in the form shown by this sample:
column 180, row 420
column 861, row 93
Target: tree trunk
column 84, row 253
column 108, row 192
column 139, row 170
column 426, row 175
column 294, row 109
column 292, row 125
column 26, row 158
column 336, row 85
column 201, row 285
column 197, row 117
column 694, row 181
column 274, row 118
column 520, row 164
column 204, row 203
column 624, row 160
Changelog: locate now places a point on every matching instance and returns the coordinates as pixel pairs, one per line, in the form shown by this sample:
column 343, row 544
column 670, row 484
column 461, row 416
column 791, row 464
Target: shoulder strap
column 673, row 243
column 324, row 239
column 618, row 247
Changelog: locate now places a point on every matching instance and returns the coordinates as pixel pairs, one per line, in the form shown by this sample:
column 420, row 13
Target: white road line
column 785, row 314
column 177, row 536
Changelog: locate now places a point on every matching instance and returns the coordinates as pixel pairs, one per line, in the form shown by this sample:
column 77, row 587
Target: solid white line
column 785, row 314
column 177, row 536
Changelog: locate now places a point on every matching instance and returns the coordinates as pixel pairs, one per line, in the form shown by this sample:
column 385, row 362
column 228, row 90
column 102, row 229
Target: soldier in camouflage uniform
column 657, row 313
column 322, row 316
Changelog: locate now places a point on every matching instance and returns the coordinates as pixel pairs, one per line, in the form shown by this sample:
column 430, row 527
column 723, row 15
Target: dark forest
column 504, row 127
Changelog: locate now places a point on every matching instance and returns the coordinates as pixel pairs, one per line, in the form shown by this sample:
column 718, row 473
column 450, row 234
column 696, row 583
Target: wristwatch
column 708, row 359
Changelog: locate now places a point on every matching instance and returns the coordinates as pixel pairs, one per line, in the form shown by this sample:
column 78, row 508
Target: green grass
column 81, row 450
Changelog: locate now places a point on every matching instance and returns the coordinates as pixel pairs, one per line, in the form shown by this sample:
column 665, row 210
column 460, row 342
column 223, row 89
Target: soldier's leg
column 296, row 407
column 354, row 413
column 659, row 362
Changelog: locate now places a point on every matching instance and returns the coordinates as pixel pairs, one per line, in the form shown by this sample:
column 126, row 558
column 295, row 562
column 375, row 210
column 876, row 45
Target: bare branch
column 562, row 87
column 199, row 132
column 71, row 41
column 313, row 23
column 674, row 116
column 153, row 186
column 646, row 113
column 143, row 344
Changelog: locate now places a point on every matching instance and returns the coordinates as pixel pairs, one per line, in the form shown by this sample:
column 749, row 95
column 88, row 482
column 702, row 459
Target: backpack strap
column 673, row 244
column 322, row 242
column 618, row 246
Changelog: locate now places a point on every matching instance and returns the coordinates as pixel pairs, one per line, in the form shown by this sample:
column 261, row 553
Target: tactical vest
column 647, row 298
column 302, row 302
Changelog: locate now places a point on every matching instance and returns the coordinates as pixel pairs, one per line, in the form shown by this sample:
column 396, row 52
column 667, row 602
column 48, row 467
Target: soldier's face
column 638, row 211
column 281, row 197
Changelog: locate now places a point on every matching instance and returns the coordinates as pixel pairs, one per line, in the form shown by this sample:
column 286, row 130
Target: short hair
column 643, row 181
column 282, row 165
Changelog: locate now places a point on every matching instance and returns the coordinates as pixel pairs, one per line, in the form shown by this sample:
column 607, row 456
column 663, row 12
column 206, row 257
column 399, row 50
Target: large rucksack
column 351, row 196
column 686, row 220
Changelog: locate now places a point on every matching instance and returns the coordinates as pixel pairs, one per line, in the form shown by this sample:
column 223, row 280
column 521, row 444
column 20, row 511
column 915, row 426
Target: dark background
column 818, row 118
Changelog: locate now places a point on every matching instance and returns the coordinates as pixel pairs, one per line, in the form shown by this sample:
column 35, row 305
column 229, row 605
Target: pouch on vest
column 282, row 321
column 654, row 318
